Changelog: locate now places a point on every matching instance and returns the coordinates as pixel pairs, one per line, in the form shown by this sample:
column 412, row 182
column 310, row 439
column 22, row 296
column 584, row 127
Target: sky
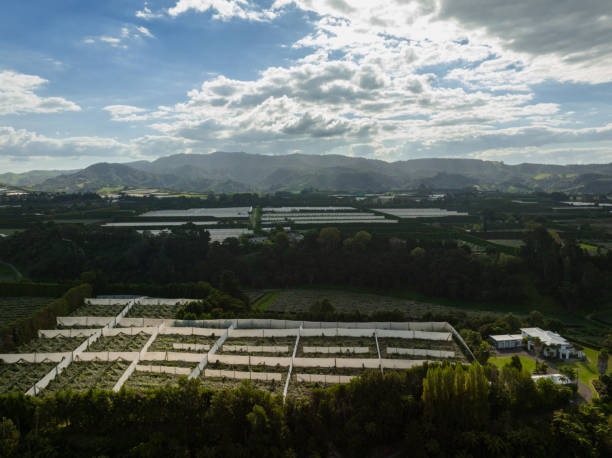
column 86, row 81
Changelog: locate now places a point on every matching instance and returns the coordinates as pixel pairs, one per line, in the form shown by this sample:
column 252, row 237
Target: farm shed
column 506, row 341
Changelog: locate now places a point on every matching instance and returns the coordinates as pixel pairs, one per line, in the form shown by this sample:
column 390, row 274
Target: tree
column 608, row 343
column 322, row 308
column 513, row 322
column 535, row 319
column 570, row 372
column 329, row 238
column 9, row 437
column 602, row 361
column 538, row 345
column 515, row 362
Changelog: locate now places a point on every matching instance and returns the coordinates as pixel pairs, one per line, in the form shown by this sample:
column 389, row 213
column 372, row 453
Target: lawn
column 587, row 370
column 499, row 362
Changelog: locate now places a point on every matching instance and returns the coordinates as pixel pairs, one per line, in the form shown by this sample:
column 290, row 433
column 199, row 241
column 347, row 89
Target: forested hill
column 236, row 172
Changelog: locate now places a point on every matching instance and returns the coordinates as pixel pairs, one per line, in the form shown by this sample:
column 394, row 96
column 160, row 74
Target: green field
column 350, row 300
column 587, row 370
column 264, row 302
column 500, row 362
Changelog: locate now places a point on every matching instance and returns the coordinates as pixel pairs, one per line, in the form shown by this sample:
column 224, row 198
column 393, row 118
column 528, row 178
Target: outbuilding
column 506, row 341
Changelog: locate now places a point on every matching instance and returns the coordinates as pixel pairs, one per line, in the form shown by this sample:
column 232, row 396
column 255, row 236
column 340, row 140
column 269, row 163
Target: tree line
column 433, row 410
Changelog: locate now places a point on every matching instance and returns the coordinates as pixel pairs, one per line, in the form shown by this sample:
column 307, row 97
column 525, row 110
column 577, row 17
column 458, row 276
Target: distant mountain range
column 238, row 172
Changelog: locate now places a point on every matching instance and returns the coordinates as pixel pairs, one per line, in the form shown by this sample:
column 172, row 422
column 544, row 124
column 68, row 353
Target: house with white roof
column 506, row 341
column 554, row 346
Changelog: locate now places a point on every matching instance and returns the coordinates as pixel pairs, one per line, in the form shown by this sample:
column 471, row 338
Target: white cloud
column 124, row 36
column 147, row 14
column 18, row 95
column 144, row 31
column 223, row 10
column 21, row 143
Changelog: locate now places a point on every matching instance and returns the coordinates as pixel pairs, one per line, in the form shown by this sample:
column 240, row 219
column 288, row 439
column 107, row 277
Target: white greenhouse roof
column 506, row 337
column 547, row 337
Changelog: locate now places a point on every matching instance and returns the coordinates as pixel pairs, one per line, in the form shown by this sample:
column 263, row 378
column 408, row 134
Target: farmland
column 21, row 376
column 299, row 300
column 13, row 308
column 85, row 375
column 261, row 355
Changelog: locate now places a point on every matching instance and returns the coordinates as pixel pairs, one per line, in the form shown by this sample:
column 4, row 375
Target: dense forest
column 433, row 410
column 52, row 252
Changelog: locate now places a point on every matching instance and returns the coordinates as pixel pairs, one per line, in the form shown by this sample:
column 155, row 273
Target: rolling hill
column 239, row 172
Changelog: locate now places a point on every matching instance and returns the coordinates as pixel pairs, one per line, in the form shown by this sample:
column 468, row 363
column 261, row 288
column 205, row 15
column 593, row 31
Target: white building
column 555, row 346
column 558, row 379
column 506, row 341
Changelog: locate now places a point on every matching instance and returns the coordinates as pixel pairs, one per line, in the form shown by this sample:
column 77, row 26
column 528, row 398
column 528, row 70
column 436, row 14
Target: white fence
column 237, row 333
column 69, row 321
column 162, row 369
column 211, row 353
column 192, row 331
column 162, row 301
column 42, row 383
column 402, row 363
column 132, row 367
column 328, row 350
column 106, row 332
column 107, row 356
column 338, row 332
column 190, row 346
column 250, row 360
column 242, row 328
column 421, row 352
column 256, row 348
column 108, row 301
column 171, row 356
column 139, row 301
column 357, row 363
column 12, row 358
column 243, row 375
column 323, row 378
column 295, row 347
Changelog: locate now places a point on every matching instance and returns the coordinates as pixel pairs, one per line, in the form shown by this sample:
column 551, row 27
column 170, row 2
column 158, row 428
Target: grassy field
column 587, row 370
column 264, row 302
column 500, row 362
column 300, row 300
column 13, row 308
column 415, row 305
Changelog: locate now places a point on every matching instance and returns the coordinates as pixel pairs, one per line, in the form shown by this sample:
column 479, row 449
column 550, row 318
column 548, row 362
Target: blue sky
column 86, row 81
